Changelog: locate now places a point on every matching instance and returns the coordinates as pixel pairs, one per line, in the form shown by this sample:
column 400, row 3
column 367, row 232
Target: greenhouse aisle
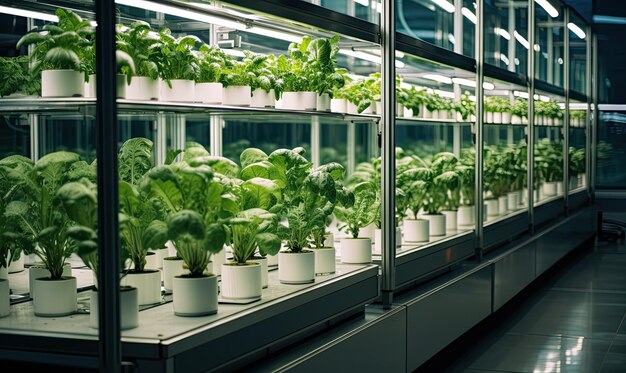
column 573, row 321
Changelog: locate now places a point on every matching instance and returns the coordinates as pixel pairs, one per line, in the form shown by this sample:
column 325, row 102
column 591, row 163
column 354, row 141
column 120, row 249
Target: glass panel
column 577, row 146
column 549, row 42
column 435, row 154
column 505, row 151
column 506, row 35
column 611, row 150
column 363, row 9
column 548, row 147
column 578, row 53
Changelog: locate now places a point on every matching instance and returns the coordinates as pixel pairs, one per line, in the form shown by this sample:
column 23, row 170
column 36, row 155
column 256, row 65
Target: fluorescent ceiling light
column 438, row 78
column 367, row 57
column 445, row 5
column 469, row 15
column 445, row 94
column 471, row 83
column 28, row 14
column 537, row 48
column 196, row 16
column 545, row 4
column 362, row 2
column 503, row 33
column 520, row 94
column 521, row 39
column 576, row 30
column 451, row 39
column 233, row 52
column 609, row 20
column 577, row 106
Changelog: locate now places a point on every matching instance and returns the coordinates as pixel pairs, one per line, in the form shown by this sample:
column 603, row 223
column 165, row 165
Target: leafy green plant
column 466, row 171
column 577, row 158
column 262, row 70
column 465, row 106
column 16, row 77
column 212, row 62
column 414, row 177
column 548, row 161
column 60, row 46
column 497, row 104
column 496, row 172
column 444, row 193
column 520, row 108
column 177, row 57
column 142, row 45
column 360, row 214
column 39, row 214
column 412, row 98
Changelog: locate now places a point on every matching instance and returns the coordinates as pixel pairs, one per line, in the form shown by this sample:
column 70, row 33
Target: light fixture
column 471, row 83
column 451, row 39
column 521, row 39
column 576, row 30
column 445, row 94
column 537, row 48
column 520, row 94
column 469, row 15
column 196, row 16
column 438, row 78
column 362, row 2
column 367, row 57
column 504, row 59
column 502, row 32
column 445, row 5
column 545, row 4
column 28, row 14
column 233, row 52
column 611, row 20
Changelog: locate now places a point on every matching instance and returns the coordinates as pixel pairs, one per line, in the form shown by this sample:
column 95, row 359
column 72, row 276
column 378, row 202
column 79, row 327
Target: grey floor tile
column 534, row 353
column 571, row 314
column 597, row 272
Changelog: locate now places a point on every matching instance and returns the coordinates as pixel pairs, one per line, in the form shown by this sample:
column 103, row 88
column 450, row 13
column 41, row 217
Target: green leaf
column 185, row 224
column 155, row 235
column 220, row 164
column 162, row 183
column 134, row 159
column 252, row 155
column 268, row 243
column 215, row 237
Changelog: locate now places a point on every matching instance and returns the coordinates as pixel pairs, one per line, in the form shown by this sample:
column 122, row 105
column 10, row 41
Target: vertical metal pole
column 480, row 48
column 458, row 28
column 550, row 51
column 511, row 43
column 160, row 138
column 589, row 94
column 108, row 200
column 565, row 127
column 530, row 153
column 596, row 120
column 388, row 154
column 351, row 147
column 315, row 140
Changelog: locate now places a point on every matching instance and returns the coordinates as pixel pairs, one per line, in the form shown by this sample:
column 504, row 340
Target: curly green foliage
column 520, row 108
column 359, row 213
column 497, row 104
column 212, row 63
column 134, row 159
column 548, row 161
column 142, row 45
column 17, row 77
column 577, row 159
column 251, row 229
column 445, row 191
column 61, row 46
column 414, row 177
column 177, row 58
column 465, row 106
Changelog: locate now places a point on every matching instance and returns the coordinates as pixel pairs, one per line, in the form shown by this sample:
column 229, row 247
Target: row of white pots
column 541, row 120
column 577, row 122
column 498, row 117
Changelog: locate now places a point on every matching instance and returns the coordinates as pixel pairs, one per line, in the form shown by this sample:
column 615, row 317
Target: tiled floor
column 575, row 322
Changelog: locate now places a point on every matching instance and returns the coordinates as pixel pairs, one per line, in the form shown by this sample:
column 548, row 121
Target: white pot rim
column 187, row 277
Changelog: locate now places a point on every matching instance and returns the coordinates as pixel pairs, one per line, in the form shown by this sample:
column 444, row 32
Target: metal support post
column 480, row 48
column 160, row 145
column 315, row 140
column 351, row 147
column 108, row 199
column 596, row 120
column 589, row 94
column 388, row 153
column 565, row 127
column 530, row 153
column 511, row 42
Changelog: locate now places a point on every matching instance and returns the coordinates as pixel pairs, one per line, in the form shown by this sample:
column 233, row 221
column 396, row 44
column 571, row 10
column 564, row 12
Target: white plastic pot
column 559, row 188
column 18, row 264
column 299, row 101
column 217, row 260
column 368, row 232
column 39, row 271
column 323, row 102
column 62, row 83
column 436, row 225
column 209, row 93
column 466, row 216
column 408, row 113
column 172, row 267
column 513, row 200
column 489, row 117
column 515, row 119
column 338, row 105
column 121, row 85
column 182, row 90
column 451, row 219
column 325, row 260
column 354, row 109
column 143, row 88
column 416, row 230
column 242, row 282
column 491, row 207
column 399, row 110
column 262, row 99
column 272, row 260
column 152, row 260
column 5, row 298
column 148, row 284
column 55, row 297
column 425, row 113
column 237, row 95
column 264, row 272
column 4, row 273
column 356, row 250
column 195, row 296
column 296, row 268
column 549, row 189
column 497, row 118
column 329, row 240
column 90, row 87
column 506, row 118
column 308, row 100
column 503, row 205
column 129, row 309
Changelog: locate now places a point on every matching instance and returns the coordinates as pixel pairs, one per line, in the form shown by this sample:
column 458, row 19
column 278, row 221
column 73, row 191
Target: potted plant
column 363, row 212
column 465, row 169
column 211, row 66
column 59, row 52
column 323, row 61
column 265, row 86
column 178, row 66
column 79, row 201
column 446, row 193
column 519, row 111
column 142, row 225
column 465, row 108
column 576, row 167
column 415, row 180
column 17, row 79
column 143, row 46
column 38, row 215
column 296, row 73
column 496, row 181
column 237, row 84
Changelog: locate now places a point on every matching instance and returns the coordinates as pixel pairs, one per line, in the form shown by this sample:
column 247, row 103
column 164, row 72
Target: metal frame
column 530, row 136
column 479, row 93
column 566, row 125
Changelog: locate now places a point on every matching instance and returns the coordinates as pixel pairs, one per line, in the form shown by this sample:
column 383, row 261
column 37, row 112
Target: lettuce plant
column 445, row 188
column 212, row 63
column 39, row 214
column 497, row 104
column 16, row 77
column 142, row 45
column 60, row 46
column 362, row 211
column 520, row 108
column 465, row 106
column 415, row 180
column 177, row 57
column 466, row 171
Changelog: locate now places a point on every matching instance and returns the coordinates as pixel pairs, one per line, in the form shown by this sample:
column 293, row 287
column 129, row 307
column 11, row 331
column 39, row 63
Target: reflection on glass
column 611, row 149
column 548, row 148
column 577, row 146
column 577, row 54
column 506, row 30
column 549, row 39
